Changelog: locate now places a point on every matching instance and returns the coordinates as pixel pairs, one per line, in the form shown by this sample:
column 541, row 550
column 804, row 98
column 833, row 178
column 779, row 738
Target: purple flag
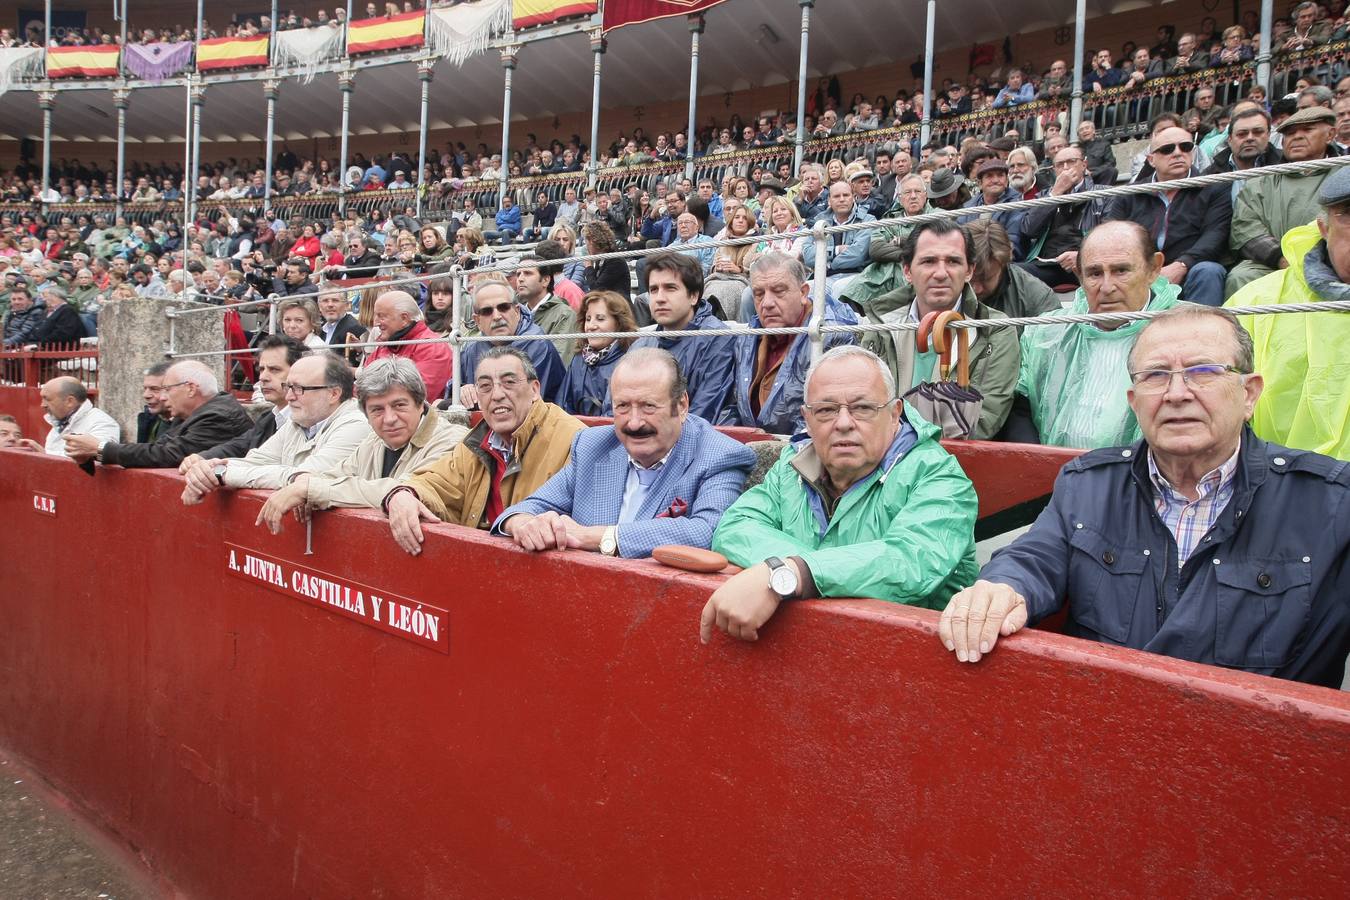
column 155, row 62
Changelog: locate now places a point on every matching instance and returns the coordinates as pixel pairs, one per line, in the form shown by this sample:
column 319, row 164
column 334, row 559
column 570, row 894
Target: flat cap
column 1308, row 116
column 1335, row 188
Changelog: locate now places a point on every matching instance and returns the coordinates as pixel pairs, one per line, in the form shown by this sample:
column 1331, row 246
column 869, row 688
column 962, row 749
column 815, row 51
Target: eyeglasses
column 1156, row 381
column 301, row 389
column 506, row 382
column 1065, row 163
column 503, row 307
column 862, row 411
column 165, row 388
column 1169, row 149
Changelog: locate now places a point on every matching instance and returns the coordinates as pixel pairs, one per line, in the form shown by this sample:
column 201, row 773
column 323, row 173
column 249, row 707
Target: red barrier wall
column 578, row 741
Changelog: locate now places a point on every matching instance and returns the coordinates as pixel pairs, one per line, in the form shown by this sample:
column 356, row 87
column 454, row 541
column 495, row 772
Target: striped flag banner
column 91, row 62
column 525, row 13
column 231, row 53
column 386, row 32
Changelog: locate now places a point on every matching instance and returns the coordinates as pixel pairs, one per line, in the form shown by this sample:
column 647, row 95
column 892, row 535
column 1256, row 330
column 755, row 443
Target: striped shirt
column 1190, row 520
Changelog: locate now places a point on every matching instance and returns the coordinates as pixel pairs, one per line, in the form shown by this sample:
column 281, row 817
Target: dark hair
column 158, row 369
column 501, row 352
column 294, row 349
column 1161, row 117
column 530, row 261
column 337, row 373
column 679, row 385
column 684, row 267
column 1139, row 233
column 698, row 208
column 941, row 228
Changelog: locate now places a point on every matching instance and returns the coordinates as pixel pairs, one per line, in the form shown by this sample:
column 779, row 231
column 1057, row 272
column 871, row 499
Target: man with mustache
column 521, row 443
column 658, row 476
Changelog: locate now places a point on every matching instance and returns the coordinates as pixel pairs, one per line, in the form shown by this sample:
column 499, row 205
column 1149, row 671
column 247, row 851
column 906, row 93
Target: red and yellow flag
column 231, row 53
column 525, row 13
column 91, row 62
column 386, row 32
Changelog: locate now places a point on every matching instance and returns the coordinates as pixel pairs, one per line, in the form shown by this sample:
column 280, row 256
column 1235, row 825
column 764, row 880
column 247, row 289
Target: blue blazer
column 706, row 469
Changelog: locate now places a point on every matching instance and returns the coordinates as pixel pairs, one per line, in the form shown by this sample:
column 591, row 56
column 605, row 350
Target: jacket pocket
column 1263, row 611
column 1103, row 584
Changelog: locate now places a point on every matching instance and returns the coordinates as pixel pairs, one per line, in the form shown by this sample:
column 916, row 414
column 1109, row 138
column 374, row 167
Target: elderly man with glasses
column 1200, row 542
column 325, row 426
column 496, row 312
column 865, row 503
column 1189, row 226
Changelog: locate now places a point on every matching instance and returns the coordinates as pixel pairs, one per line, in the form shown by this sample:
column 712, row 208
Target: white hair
column 196, row 372
column 404, row 303
column 852, row 350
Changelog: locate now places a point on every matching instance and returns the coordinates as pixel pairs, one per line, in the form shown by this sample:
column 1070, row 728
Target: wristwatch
column 783, row 579
column 219, row 472
column 609, row 541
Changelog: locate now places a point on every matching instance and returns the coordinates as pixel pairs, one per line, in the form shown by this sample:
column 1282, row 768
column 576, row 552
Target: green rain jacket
column 1305, row 404
column 905, row 533
column 1076, row 378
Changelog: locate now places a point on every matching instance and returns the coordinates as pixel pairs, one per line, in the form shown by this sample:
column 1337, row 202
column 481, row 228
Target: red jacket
column 307, row 247
column 435, row 361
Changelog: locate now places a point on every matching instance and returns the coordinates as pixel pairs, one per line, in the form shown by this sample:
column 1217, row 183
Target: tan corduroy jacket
column 455, row 487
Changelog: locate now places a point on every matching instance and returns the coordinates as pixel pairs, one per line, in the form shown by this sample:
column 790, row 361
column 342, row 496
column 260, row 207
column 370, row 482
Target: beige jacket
column 289, row 452
column 356, row 481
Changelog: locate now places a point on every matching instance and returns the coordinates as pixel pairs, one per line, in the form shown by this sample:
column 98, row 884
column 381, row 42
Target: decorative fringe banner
column 308, row 47
column 19, row 64
column 156, row 62
column 459, row 32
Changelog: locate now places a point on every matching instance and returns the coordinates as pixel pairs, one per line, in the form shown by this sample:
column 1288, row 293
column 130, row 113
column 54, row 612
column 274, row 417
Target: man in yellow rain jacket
column 1305, row 358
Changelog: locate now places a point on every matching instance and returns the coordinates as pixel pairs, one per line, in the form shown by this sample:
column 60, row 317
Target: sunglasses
column 503, row 307
column 1168, row 149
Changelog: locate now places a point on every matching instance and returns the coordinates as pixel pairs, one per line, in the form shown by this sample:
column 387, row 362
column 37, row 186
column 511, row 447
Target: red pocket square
column 677, row 509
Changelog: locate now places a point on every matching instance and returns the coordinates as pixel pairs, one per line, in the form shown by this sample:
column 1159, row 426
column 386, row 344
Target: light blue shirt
column 704, row 255
column 635, row 487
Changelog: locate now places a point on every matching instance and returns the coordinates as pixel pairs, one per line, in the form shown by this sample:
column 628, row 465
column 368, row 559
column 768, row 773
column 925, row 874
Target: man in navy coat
column 657, row 476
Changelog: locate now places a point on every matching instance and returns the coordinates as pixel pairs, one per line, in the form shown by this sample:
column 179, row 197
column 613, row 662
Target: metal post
column 187, row 166
column 198, row 100
column 272, row 37
column 122, row 56
column 456, row 326
column 1263, row 55
column 800, row 149
column 509, row 55
column 424, row 73
column 47, row 101
column 346, row 83
column 696, row 24
column 1079, row 48
column 121, row 97
column 271, row 90
column 926, row 126
column 598, row 47
column 819, row 288
column 46, row 26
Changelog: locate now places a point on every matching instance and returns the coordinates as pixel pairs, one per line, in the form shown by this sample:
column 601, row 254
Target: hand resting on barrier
column 976, row 617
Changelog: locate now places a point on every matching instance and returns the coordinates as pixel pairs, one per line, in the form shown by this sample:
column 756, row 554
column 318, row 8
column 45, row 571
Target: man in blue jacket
column 496, row 312
column 657, row 476
column 771, row 371
column 675, row 288
column 507, row 220
column 1200, row 542
column 847, row 250
column 992, row 177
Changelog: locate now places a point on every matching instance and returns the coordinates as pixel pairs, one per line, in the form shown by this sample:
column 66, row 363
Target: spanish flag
column 525, row 13
column 92, row 62
column 386, row 32
column 231, row 53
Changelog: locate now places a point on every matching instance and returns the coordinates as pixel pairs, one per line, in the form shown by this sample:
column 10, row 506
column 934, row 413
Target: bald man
column 398, row 318
column 71, row 413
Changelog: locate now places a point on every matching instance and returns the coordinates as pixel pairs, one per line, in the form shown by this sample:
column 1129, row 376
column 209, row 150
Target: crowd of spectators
column 1164, row 406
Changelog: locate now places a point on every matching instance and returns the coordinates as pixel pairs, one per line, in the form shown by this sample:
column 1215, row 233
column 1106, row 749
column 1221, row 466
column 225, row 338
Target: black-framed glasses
column 503, row 307
column 1156, row 381
column 301, row 389
column 1169, row 149
column 861, row 411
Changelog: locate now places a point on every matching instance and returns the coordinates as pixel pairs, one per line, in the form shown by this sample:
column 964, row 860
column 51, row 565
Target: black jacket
column 263, row 428
column 63, row 325
column 1196, row 222
column 149, row 426
column 363, row 266
column 346, row 325
column 215, row 421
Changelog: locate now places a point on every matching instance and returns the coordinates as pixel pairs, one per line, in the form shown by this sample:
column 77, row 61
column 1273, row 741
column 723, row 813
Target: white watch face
column 783, row 581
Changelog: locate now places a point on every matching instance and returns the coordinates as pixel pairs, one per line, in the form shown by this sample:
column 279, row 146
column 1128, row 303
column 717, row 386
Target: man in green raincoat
column 1075, row 376
column 1304, row 358
column 865, row 504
